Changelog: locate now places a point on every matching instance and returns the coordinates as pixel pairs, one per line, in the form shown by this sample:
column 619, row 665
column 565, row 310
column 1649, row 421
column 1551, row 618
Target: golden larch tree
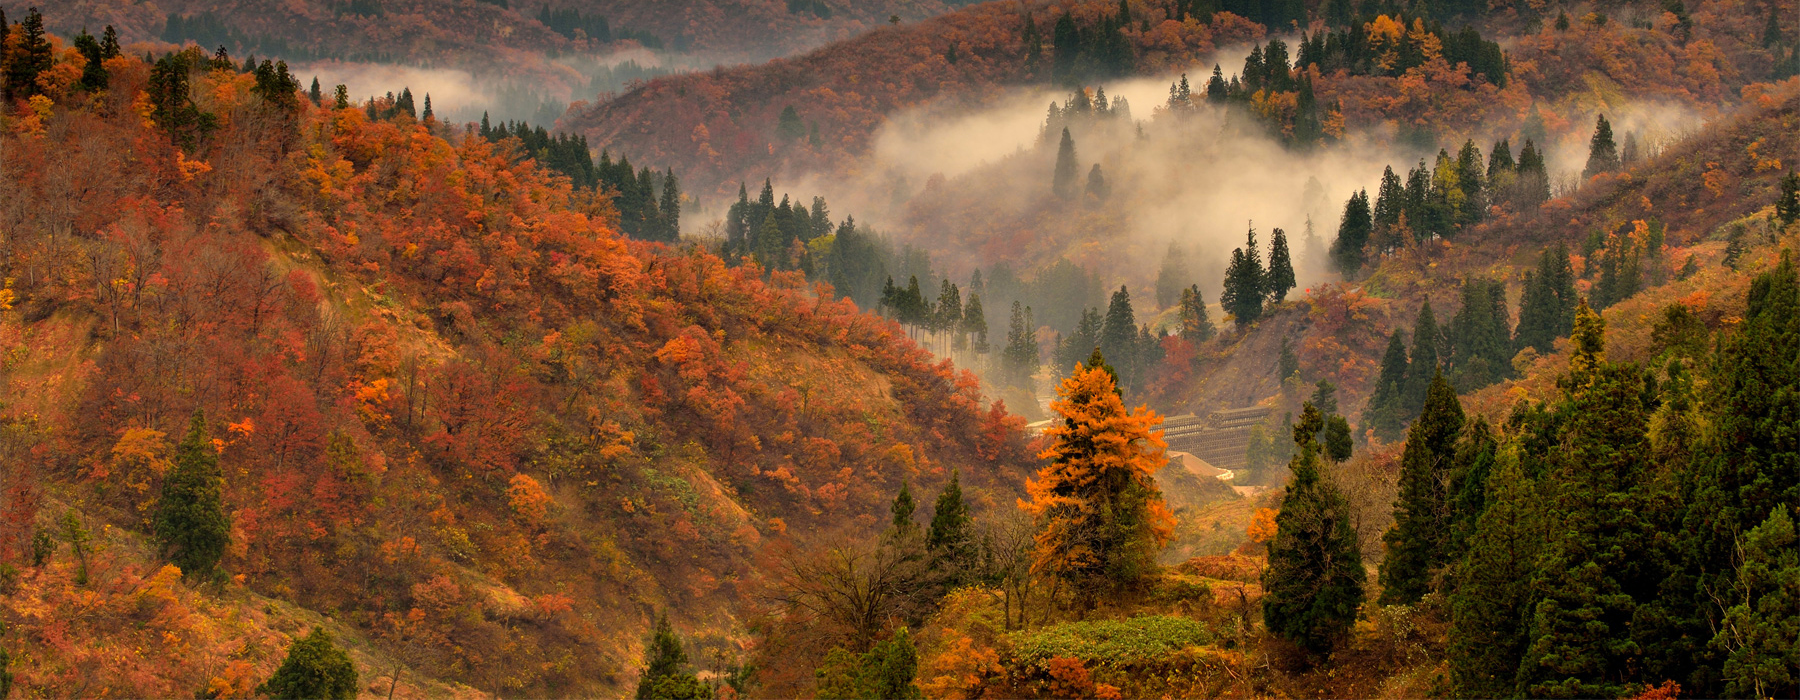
column 1100, row 517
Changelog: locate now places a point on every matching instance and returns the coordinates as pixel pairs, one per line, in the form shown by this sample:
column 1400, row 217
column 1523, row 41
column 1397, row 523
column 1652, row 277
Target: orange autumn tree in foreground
column 1100, row 517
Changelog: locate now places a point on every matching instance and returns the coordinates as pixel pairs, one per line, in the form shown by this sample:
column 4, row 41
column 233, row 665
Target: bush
column 1110, row 642
column 315, row 668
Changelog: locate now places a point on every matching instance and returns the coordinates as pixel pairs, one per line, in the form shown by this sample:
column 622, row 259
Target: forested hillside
column 1488, row 314
column 436, row 401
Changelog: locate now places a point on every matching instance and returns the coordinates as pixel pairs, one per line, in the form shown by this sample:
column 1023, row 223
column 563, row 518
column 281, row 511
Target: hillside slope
column 451, row 402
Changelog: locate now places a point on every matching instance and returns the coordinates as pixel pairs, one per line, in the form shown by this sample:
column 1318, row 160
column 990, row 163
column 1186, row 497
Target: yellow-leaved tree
column 1100, row 518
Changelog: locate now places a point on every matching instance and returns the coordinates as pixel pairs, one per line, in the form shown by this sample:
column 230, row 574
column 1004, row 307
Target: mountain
column 460, row 420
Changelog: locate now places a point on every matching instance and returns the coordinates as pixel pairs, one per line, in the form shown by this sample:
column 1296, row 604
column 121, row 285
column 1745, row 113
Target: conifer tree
column 1603, row 154
column 1422, row 370
column 666, row 674
column 1096, row 184
column 1383, row 411
column 949, row 541
column 109, row 43
column 1547, row 310
column 1196, row 327
column 1021, row 354
column 902, row 510
column 315, row 669
column 318, row 97
column 1760, row 637
column 1245, row 286
column 1118, row 337
column 93, row 73
column 1416, row 542
column 1532, row 184
column 1598, row 565
column 1281, row 268
column 975, row 325
column 191, row 525
column 1324, row 397
column 1314, row 581
column 1787, row 207
column 29, row 55
column 1100, row 517
column 1339, row 444
column 1490, row 608
column 1217, row 92
column 1479, row 344
column 1063, row 183
column 341, row 98
column 1349, row 250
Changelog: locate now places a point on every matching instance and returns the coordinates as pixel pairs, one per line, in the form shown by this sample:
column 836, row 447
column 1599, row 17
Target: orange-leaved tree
column 1100, row 517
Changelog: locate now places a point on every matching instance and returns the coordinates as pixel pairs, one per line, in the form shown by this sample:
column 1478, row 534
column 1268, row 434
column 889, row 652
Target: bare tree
column 860, row 588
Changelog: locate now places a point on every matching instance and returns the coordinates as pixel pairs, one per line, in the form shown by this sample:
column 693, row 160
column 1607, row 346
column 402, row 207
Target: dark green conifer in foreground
column 666, row 674
column 1314, row 582
column 191, row 525
column 315, row 669
column 1416, row 543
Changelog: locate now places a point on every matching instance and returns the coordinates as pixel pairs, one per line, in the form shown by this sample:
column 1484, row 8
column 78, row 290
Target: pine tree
column 1598, row 565
column 1339, row 444
column 1196, row 327
column 191, row 525
column 975, row 325
column 1101, row 519
column 315, row 669
column 1021, row 354
column 29, row 56
column 902, row 510
column 93, row 73
column 1383, row 411
column 109, row 43
column 1479, row 343
column 1787, row 207
column 1096, row 184
column 1546, row 312
column 1066, row 167
column 1422, row 370
column 1603, row 154
column 1281, row 268
column 1533, row 181
column 1324, row 397
column 666, row 675
column 1314, row 581
column 1490, row 607
column 1760, row 639
column 1245, row 287
column 341, row 99
column 1349, row 251
column 1118, row 337
column 949, row 541
column 1416, row 542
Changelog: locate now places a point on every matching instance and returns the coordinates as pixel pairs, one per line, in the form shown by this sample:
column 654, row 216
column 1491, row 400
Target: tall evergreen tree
column 93, row 73
column 671, row 207
column 1490, row 608
column 975, row 325
column 1416, row 542
column 191, row 525
column 1547, row 310
column 1787, row 206
column 1479, row 343
column 29, row 55
column 1760, row 637
column 1314, row 581
column 1349, row 251
column 1195, row 325
column 949, row 540
column 1597, row 567
column 1383, row 411
column 1423, row 368
column 1603, row 153
column 1245, row 286
column 315, row 669
column 1118, row 337
column 1281, row 268
column 1063, row 184
column 1021, row 354
column 1532, row 184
